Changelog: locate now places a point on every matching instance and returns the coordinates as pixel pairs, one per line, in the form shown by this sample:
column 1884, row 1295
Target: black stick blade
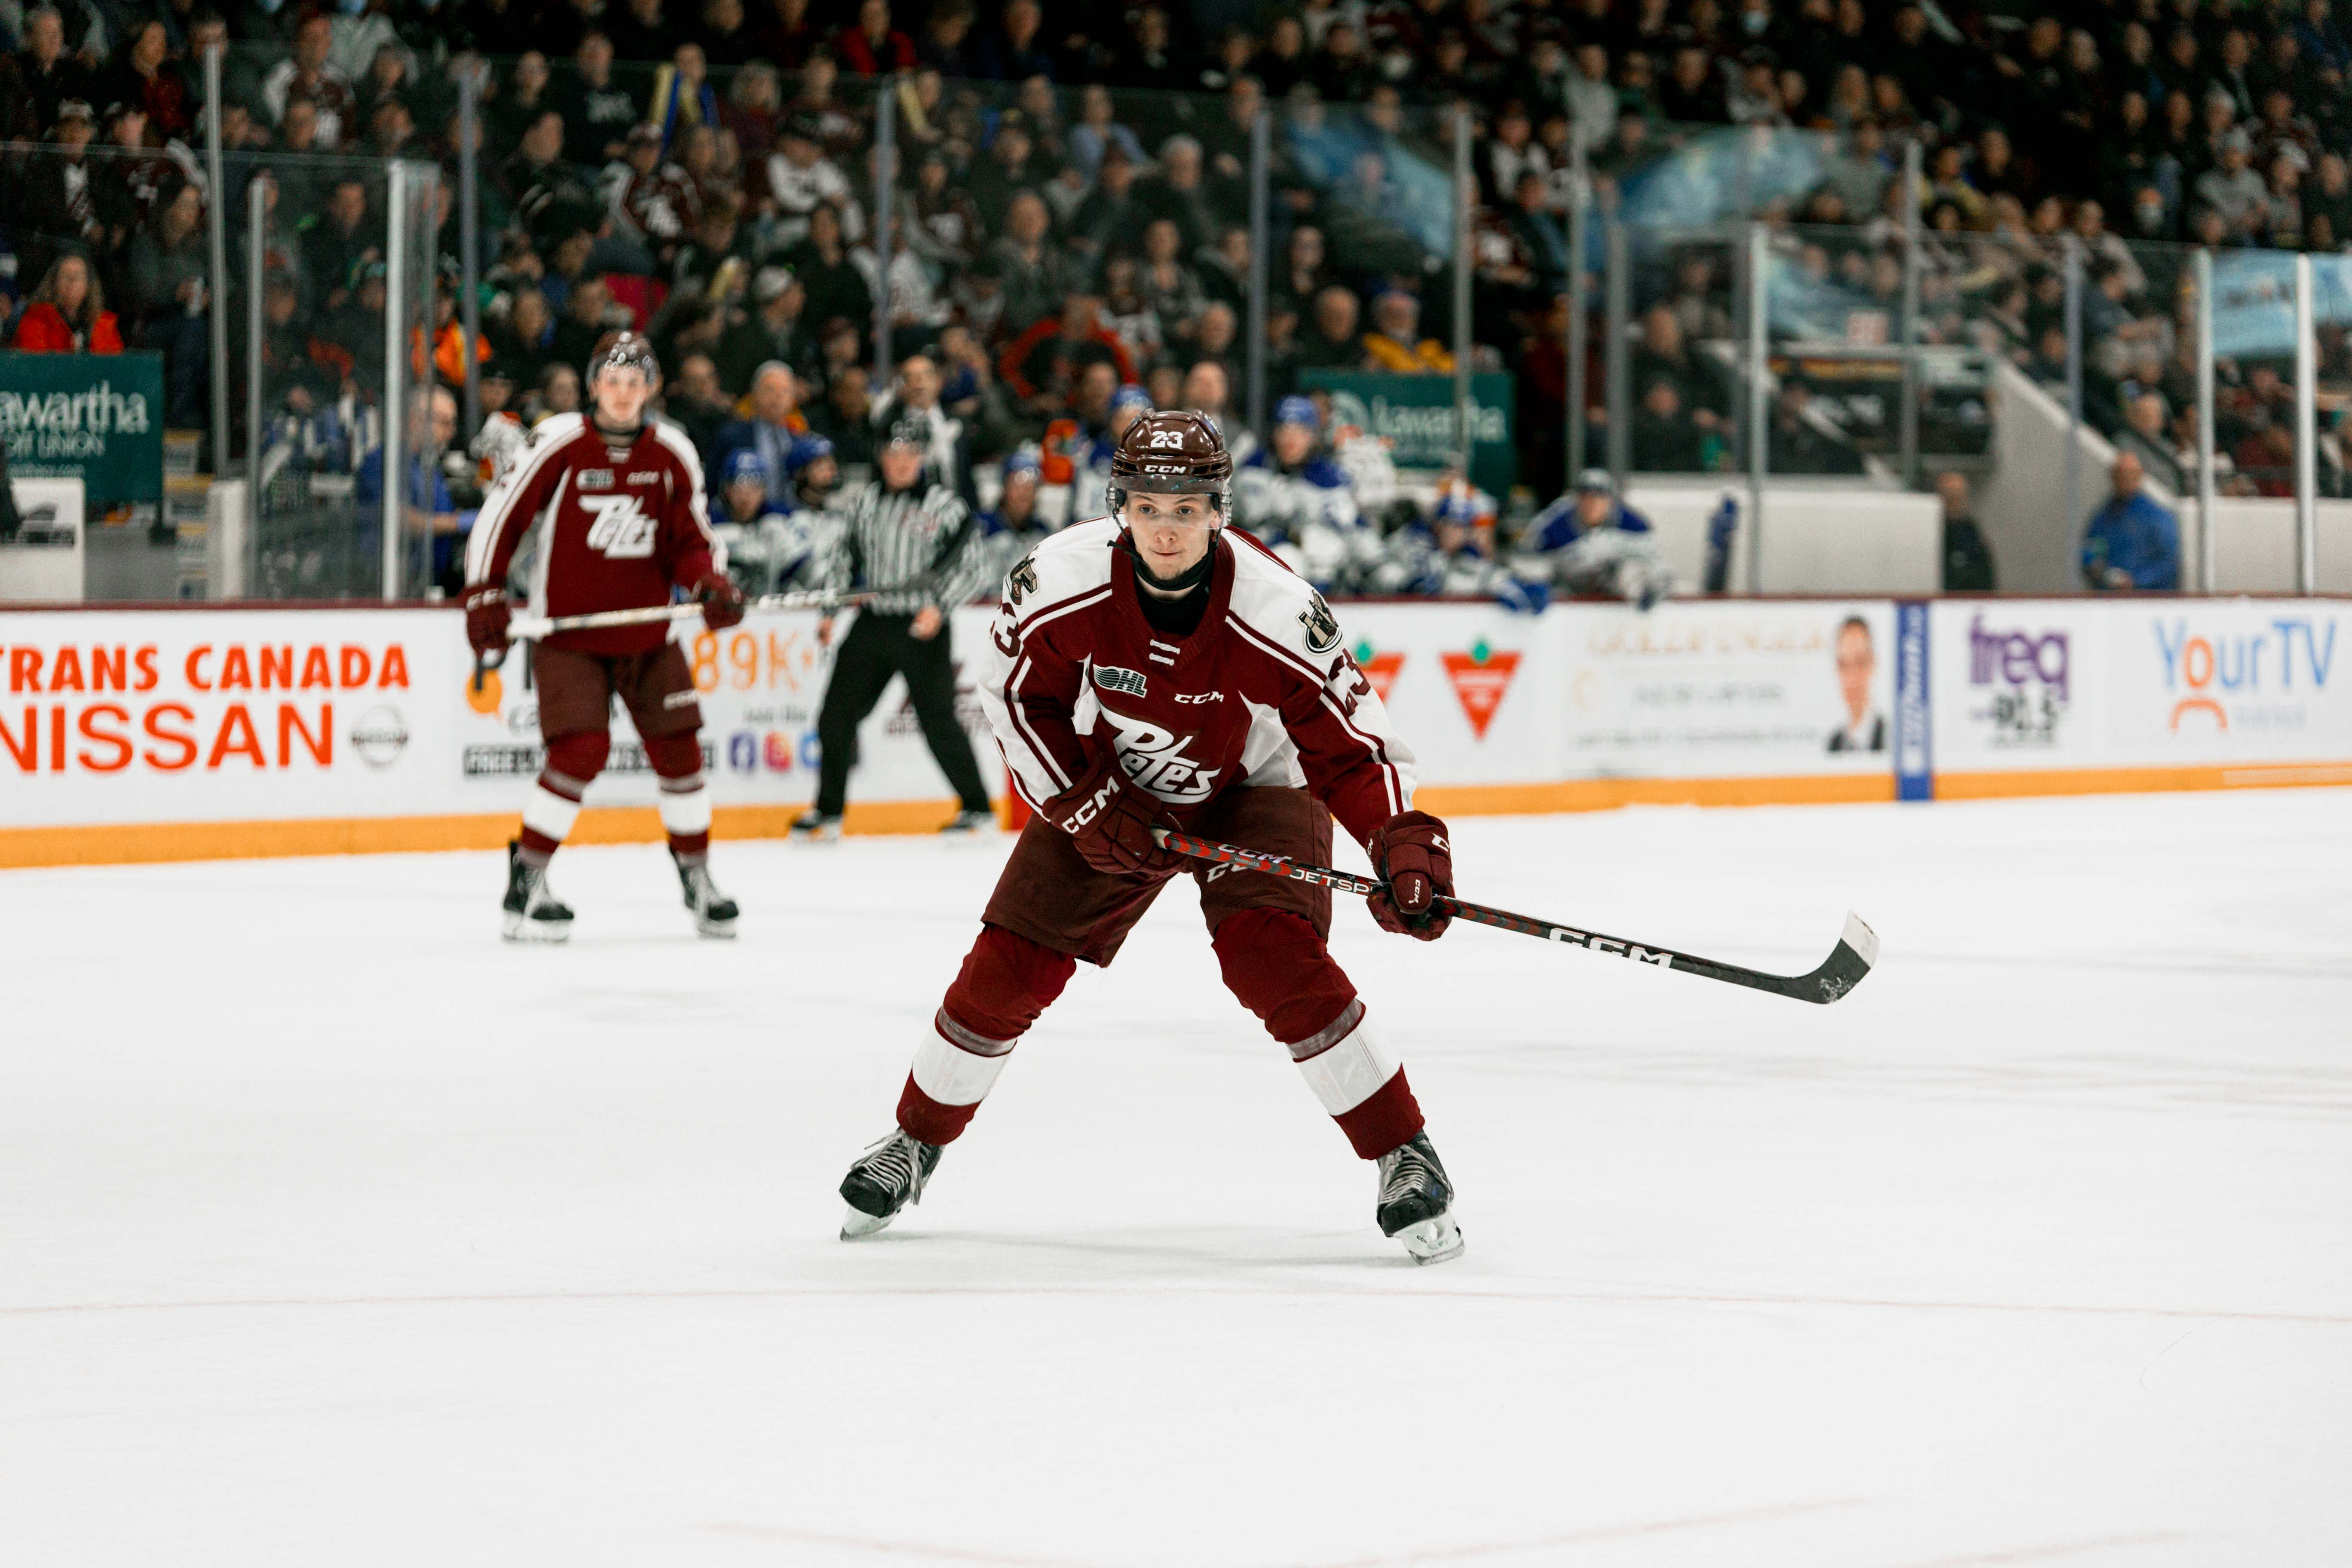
column 1844, row 968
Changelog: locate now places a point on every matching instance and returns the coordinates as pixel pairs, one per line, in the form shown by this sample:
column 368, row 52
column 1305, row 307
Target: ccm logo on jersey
column 621, row 531
column 1199, row 696
column 1112, row 678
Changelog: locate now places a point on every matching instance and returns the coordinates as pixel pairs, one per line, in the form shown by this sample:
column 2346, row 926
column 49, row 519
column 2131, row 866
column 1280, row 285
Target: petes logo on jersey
column 622, row 532
column 1158, row 759
column 1110, row 678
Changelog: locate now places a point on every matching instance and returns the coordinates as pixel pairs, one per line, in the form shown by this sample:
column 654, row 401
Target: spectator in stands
column 67, row 314
column 2132, row 540
column 1967, row 559
column 1395, row 342
column 775, row 422
column 1799, row 446
column 694, row 399
column 776, row 330
column 1042, row 366
column 168, row 269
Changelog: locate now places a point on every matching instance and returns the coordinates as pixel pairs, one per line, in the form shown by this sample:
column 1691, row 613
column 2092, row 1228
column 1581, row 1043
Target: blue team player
column 1295, row 499
column 1590, row 541
column 769, row 549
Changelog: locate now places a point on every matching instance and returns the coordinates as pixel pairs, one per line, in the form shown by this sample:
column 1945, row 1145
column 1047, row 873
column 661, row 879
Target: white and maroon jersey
column 1262, row 692
column 611, row 526
column 658, row 207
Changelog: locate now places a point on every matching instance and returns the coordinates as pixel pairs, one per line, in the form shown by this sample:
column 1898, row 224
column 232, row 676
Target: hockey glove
column 486, row 613
column 1111, row 820
column 721, row 601
column 1411, row 855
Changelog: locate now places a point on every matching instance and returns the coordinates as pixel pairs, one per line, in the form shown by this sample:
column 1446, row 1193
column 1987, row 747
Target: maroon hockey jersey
column 608, row 526
column 1262, row 692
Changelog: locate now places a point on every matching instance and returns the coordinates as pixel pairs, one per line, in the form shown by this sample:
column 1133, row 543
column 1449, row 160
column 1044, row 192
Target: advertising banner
column 1416, row 414
column 98, row 418
column 1710, row 691
column 2221, row 686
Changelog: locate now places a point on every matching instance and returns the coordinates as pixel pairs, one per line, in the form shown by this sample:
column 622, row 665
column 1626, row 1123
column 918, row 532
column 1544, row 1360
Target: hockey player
column 1589, row 542
column 610, row 504
column 769, row 549
column 1296, row 502
column 1151, row 669
column 1014, row 527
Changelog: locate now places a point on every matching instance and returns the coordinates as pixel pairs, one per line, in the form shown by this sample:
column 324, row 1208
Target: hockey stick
column 521, row 629
column 1840, row 973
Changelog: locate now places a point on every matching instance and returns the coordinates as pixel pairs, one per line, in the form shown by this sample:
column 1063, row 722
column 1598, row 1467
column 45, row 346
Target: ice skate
column 887, row 1177
column 814, row 826
column 1415, row 1198
column 532, row 913
column 714, row 912
column 968, row 822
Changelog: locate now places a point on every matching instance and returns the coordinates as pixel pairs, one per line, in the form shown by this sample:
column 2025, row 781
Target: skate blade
column 523, row 928
column 1432, row 1240
column 719, row 931
column 857, row 1223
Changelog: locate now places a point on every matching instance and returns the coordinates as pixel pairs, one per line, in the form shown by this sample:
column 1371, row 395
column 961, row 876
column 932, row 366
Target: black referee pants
column 877, row 647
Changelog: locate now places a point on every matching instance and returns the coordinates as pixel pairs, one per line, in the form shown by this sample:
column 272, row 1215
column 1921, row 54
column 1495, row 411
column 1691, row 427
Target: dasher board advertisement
column 2150, row 683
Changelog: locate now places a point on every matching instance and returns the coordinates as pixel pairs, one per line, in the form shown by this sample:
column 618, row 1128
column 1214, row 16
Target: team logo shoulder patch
column 1022, row 581
column 1112, row 678
column 1322, row 625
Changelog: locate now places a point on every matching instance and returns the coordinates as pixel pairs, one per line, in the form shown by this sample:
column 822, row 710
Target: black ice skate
column 887, row 1178
column 1414, row 1199
column 967, row 822
column 714, row 912
column 815, row 827
column 531, row 912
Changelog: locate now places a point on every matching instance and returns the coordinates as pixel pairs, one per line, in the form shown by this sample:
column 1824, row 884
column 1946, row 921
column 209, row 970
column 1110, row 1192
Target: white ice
column 332, row 1232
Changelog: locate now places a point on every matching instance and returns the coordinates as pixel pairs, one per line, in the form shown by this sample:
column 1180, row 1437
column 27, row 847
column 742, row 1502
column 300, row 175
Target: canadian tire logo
column 1380, row 668
column 1480, row 678
column 380, row 735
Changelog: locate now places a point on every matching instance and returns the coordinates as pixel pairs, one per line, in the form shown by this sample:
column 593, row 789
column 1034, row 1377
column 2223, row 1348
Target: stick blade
column 1848, row 964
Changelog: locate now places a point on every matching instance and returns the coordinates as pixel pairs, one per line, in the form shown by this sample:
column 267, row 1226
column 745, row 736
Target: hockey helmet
column 624, row 350
column 1173, row 451
column 806, row 449
column 1298, row 410
column 744, row 463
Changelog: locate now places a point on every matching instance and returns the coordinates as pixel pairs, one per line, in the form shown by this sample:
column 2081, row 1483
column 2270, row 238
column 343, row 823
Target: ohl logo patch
column 1480, row 678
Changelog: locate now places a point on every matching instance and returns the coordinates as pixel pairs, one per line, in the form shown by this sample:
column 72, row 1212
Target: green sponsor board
column 98, row 418
column 1416, row 414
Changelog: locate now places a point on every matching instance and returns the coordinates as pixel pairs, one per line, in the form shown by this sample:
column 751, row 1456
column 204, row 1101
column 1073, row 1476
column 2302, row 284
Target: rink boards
column 201, row 733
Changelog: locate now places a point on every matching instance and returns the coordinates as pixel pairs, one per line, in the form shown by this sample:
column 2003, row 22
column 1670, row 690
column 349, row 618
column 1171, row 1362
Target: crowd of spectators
column 1068, row 209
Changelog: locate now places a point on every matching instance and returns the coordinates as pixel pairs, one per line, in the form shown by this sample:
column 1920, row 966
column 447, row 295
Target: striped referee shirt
column 917, row 547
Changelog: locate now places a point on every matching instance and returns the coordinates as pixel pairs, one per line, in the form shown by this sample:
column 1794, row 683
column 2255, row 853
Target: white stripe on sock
column 549, row 813
column 1350, row 1072
column 953, row 1076
column 687, row 812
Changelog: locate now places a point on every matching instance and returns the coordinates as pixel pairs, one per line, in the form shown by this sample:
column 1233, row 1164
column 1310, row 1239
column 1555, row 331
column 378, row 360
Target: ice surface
column 335, row 1232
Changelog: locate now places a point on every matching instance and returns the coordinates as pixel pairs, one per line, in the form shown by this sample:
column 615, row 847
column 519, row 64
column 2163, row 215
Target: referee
column 916, row 546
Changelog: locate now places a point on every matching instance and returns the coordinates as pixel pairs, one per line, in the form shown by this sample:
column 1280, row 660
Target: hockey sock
column 572, row 764
column 685, row 797
column 1006, row 982
column 1278, row 966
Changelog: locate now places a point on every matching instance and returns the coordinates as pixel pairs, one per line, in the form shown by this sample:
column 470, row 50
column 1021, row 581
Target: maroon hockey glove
column 1112, row 821
column 1412, row 852
column 486, row 613
column 721, row 601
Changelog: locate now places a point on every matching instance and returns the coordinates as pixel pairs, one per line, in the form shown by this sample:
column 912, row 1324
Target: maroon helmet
column 1172, row 451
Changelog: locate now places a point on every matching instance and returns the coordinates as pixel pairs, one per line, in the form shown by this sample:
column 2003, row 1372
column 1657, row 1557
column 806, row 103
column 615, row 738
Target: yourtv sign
column 1416, row 414
column 98, row 418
